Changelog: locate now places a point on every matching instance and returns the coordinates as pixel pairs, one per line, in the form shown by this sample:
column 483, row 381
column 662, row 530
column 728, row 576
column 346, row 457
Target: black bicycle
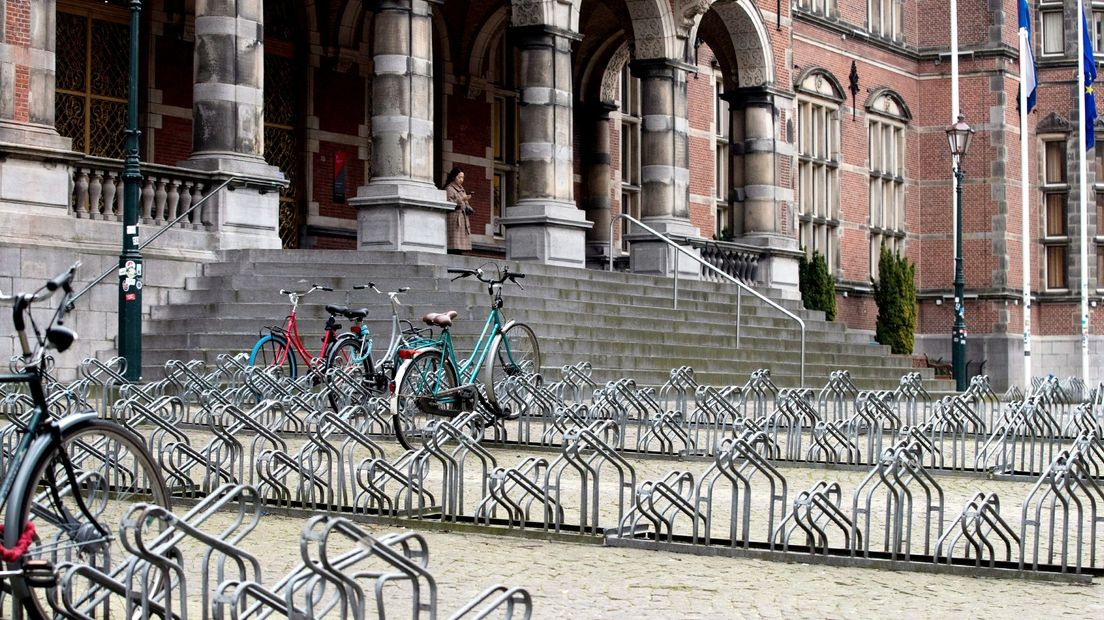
column 69, row 480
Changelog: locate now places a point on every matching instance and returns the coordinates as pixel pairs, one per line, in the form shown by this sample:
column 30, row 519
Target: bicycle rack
column 520, row 493
column 899, row 476
column 252, row 427
column 1068, row 502
column 668, row 430
column 816, row 513
column 738, row 467
column 912, row 401
column 1026, row 437
column 793, row 413
column 712, row 416
column 982, row 532
column 587, row 452
column 675, row 393
column 836, row 400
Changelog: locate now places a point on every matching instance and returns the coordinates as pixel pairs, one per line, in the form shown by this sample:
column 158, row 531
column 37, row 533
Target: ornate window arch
column 887, row 122
column 819, row 95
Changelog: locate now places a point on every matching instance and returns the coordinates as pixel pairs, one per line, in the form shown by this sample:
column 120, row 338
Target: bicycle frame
column 293, row 339
column 34, row 381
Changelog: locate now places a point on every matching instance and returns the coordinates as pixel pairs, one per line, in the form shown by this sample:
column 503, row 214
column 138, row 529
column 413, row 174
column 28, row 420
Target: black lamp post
column 130, row 260
column 959, row 135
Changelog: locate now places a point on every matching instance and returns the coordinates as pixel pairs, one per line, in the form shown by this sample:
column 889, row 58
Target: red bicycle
column 280, row 346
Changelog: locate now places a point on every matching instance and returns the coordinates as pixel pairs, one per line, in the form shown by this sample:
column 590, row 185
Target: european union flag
column 1090, row 77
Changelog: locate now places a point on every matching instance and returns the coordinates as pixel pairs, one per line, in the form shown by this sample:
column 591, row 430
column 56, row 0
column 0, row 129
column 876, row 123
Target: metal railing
column 741, row 287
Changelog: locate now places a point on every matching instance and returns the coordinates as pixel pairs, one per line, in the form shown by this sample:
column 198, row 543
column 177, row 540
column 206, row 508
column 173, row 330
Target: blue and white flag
column 1090, row 77
column 1028, row 55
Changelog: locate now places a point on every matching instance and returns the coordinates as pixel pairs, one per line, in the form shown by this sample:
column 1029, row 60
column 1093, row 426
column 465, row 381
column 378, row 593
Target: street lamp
column 958, row 136
column 130, row 260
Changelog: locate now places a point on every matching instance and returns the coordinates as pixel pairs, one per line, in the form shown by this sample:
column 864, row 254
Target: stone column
column 664, row 166
column 401, row 208
column 228, row 120
column 596, row 179
column 31, row 172
column 545, row 225
column 764, row 199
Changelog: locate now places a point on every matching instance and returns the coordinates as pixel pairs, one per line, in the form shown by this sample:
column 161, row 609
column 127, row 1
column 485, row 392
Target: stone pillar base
column 246, row 217
column 648, row 255
column 401, row 216
column 778, row 267
column 551, row 233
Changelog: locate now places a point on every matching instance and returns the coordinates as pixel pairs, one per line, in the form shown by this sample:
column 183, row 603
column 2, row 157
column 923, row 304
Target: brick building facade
column 815, row 124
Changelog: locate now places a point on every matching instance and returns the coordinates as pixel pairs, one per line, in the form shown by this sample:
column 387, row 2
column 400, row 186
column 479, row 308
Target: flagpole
column 1083, row 192
column 954, row 62
column 1025, row 208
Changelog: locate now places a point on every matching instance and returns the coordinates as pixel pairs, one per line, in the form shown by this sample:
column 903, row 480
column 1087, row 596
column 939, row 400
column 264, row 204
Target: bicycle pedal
column 39, row 573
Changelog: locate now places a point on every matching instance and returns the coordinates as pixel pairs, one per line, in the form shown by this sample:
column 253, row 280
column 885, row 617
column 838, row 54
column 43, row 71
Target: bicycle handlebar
column 55, row 334
column 313, row 288
column 504, row 275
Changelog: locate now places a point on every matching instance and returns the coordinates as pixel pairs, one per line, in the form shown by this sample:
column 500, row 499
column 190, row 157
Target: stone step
column 624, row 324
column 732, row 373
column 428, row 290
column 607, row 352
column 698, row 335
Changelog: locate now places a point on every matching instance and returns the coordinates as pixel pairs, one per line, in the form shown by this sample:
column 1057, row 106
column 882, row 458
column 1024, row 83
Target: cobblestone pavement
column 569, row 580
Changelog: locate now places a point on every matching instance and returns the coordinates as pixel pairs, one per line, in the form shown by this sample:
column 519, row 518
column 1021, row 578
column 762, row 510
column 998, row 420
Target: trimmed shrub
column 895, row 294
column 818, row 289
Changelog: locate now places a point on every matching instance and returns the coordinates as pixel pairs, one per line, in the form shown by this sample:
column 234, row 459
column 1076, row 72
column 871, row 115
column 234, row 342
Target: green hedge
column 895, row 294
column 818, row 289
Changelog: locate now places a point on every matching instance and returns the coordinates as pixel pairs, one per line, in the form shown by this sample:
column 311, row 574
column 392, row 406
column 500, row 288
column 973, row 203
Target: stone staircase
column 623, row 324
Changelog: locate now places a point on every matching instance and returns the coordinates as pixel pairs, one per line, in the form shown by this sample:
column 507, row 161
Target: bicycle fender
column 485, row 371
column 39, row 448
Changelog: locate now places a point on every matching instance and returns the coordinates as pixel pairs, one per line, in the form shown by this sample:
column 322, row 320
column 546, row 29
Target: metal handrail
column 246, row 181
column 740, row 285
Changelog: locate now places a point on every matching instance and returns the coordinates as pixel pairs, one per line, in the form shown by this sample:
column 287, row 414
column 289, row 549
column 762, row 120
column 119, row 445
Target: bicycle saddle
column 440, row 319
column 347, row 313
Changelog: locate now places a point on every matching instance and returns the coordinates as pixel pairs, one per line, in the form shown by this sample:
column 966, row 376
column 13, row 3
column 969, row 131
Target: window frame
column 883, row 131
column 630, row 124
column 1051, row 9
column 818, row 151
column 888, row 25
column 505, row 135
column 1057, row 187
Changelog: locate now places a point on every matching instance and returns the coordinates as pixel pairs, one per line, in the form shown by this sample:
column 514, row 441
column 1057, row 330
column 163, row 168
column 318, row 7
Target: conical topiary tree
column 818, row 289
column 895, row 294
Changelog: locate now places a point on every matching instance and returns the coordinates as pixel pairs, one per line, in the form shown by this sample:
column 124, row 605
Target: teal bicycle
column 433, row 384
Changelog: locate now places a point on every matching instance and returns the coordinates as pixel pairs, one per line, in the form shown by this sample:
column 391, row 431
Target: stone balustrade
column 166, row 192
column 735, row 259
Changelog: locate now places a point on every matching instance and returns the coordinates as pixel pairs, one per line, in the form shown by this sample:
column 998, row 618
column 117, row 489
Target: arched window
column 887, row 118
column 818, row 169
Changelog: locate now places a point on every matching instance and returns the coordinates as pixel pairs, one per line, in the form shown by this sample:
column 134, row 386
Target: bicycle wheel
column 345, row 354
column 114, row 471
column 515, row 352
column 425, row 374
column 269, row 350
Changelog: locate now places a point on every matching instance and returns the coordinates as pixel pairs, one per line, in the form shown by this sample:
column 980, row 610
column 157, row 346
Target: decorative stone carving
column 749, row 41
column 611, row 78
column 887, row 102
column 1054, row 123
